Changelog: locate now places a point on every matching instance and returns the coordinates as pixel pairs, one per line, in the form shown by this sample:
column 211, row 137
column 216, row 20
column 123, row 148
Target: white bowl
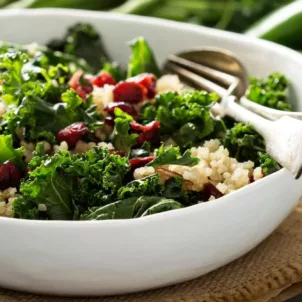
column 121, row 256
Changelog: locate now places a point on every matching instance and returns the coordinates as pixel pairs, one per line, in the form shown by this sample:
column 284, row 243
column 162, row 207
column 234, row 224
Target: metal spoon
column 283, row 137
column 222, row 67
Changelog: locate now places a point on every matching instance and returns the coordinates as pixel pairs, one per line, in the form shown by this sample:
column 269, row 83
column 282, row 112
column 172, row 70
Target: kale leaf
column 121, row 138
column 131, row 208
column 271, row 92
column 142, row 59
column 9, row 153
column 172, row 156
column 186, row 117
column 268, row 164
column 67, row 185
column 82, row 41
column 243, row 143
column 47, row 185
column 121, row 209
column 150, row 186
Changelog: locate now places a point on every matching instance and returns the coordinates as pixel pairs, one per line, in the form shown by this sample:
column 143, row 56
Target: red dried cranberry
column 10, row 176
column 75, row 79
column 128, row 92
column 147, row 80
column 81, row 83
column 103, row 79
column 210, row 190
column 128, row 108
column 80, row 91
column 150, row 132
column 140, row 161
column 109, row 121
column 72, row 134
column 251, row 179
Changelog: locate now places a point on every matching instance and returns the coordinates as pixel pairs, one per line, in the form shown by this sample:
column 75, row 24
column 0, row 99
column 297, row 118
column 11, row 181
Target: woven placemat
column 262, row 274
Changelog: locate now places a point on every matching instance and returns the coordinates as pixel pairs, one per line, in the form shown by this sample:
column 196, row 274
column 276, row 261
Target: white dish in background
column 121, row 256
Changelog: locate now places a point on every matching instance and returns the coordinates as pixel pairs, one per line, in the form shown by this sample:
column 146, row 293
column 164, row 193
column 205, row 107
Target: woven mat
column 259, row 276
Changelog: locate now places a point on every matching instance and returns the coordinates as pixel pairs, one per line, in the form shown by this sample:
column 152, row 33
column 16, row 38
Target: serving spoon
column 222, row 67
column 219, row 71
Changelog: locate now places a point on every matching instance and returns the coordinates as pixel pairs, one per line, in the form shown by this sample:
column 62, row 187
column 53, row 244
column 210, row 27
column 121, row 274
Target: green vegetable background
column 275, row 20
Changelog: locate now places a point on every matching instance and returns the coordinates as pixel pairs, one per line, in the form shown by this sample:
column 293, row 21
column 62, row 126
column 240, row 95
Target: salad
column 83, row 139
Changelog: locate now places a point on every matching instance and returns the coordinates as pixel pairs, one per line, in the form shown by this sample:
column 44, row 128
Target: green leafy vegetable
column 13, row 78
column 150, row 186
column 121, row 209
column 163, row 206
column 243, row 143
column 70, row 184
column 8, row 152
column 186, row 117
column 142, row 59
column 47, row 185
column 172, row 156
column 268, row 164
column 39, row 117
column 143, row 151
column 115, row 70
column 83, row 41
column 131, row 208
column 25, row 208
column 271, row 92
column 121, row 138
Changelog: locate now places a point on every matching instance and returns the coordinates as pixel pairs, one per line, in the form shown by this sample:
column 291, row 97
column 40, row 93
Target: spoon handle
column 266, row 112
column 283, row 137
column 242, row 114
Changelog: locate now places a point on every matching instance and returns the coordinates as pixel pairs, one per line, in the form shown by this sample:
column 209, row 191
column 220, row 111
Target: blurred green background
column 276, row 20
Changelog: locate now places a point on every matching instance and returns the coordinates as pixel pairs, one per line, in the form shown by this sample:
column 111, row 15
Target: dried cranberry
column 72, row 134
column 149, row 132
column 103, row 79
column 75, row 79
column 210, row 190
column 140, row 161
column 10, row 176
column 81, row 83
column 147, row 80
column 128, row 92
column 251, row 179
column 80, row 91
column 128, row 108
column 109, row 121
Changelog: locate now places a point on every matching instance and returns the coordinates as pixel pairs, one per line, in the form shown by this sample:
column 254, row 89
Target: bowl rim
column 164, row 23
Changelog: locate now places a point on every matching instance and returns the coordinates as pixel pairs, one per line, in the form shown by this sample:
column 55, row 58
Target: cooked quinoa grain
column 7, row 198
column 215, row 167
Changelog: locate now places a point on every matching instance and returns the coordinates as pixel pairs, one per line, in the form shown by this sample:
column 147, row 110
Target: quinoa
column 7, row 198
column 102, row 96
column 215, row 167
column 169, row 82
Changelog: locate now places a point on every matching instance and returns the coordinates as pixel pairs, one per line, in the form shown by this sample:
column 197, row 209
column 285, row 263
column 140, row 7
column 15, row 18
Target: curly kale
column 38, row 98
column 243, row 142
column 268, row 164
column 271, row 92
column 142, row 59
column 186, row 118
column 82, row 41
column 172, row 156
column 67, row 184
column 9, row 153
column 132, row 208
column 121, row 138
